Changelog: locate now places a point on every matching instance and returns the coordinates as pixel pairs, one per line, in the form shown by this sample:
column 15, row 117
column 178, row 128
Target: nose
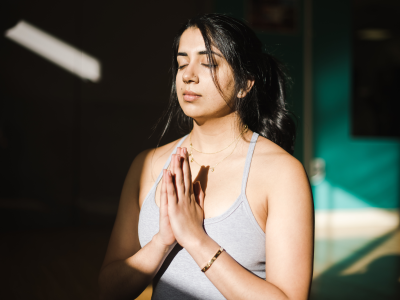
column 190, row 74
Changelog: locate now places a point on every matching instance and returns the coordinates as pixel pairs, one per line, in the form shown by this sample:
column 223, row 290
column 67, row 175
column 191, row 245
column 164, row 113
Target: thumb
column 199, row 194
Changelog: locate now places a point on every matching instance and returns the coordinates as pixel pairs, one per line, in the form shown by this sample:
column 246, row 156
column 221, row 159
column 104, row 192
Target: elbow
column 294, row 297
column 111, row 288
column 287, row 294
column 102, row 284
column 105, row 284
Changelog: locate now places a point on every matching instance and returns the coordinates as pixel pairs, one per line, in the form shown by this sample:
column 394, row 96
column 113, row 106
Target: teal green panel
column 359, row 172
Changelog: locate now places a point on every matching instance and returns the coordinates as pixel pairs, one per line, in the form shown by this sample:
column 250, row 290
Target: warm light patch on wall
column 56, row 51
column 373, row 34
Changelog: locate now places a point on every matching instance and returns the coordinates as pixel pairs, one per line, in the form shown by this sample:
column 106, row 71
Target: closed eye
column 205, row 65
column 210, row 65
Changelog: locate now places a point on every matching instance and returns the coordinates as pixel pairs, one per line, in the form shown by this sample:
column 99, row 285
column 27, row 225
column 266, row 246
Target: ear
column 243, row 93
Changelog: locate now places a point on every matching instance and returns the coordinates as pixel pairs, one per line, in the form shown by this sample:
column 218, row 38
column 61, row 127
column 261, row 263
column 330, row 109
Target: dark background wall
column 66, row 144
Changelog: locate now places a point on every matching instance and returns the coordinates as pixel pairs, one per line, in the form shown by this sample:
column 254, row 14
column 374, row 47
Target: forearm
column 126, row 279
column 228, row 276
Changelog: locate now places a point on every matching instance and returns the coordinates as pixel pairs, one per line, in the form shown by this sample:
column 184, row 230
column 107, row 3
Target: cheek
column 226, row 86
column 180, row 87
column 227, row 83
column 178, row 82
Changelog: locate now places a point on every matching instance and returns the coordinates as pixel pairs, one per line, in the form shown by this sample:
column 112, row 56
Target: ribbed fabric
column 236, row 230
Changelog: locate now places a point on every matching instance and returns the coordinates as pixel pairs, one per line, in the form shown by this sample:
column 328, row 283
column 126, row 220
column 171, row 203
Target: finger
column 172, row 165
column 199, row 194
column 182, row 151
column 164, row 197
column 173, row 162
column 180, row 187
column 177, row 154
column 187, row 174
column 190, row 171
column 171, row 193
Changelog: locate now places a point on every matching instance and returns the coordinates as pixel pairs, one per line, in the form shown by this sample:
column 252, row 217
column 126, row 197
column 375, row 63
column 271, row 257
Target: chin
column 199, row 110
column 193, row 113
column 190, row 109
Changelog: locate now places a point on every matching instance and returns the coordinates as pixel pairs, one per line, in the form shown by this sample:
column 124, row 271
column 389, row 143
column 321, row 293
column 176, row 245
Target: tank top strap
column 247, row 164
column 169, row 159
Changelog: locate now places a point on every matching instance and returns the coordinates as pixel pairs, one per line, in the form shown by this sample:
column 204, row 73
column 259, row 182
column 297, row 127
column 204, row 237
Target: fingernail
column 184, row 151
column 169, row 173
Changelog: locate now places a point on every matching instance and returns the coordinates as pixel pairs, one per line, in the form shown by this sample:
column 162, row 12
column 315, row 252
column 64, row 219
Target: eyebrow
column 200, row 53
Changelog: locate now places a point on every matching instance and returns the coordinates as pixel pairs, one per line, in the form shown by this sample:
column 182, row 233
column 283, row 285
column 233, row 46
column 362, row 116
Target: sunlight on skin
column 211, row 111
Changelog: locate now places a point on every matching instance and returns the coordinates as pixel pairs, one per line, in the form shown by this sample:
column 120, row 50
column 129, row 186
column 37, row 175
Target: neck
column 215, row 134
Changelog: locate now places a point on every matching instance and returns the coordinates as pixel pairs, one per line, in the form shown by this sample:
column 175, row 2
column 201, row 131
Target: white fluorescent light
column 56, row 51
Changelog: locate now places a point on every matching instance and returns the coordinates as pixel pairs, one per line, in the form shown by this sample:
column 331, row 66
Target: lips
column 190, row 96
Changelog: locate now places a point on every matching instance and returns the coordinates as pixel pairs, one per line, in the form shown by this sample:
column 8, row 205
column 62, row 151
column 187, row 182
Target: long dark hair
column 263, row 109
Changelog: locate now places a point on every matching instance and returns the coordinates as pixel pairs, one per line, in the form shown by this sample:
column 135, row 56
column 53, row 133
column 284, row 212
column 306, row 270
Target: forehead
column 190, row 39
column 192, row 42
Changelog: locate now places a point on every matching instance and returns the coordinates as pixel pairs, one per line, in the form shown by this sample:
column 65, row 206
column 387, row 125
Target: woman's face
column 197, row 93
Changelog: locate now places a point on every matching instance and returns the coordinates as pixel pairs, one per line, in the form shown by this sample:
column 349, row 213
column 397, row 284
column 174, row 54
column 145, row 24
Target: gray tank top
column 236, row 230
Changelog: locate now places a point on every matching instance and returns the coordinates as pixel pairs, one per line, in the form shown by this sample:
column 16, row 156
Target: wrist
column 165, row 249
column 202, row 249
column 197, row 241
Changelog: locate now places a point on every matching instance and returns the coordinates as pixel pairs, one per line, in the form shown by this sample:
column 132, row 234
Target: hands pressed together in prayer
column 181, row 204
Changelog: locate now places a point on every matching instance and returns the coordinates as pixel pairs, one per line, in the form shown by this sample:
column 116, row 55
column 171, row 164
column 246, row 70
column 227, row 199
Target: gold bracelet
column 212, row 260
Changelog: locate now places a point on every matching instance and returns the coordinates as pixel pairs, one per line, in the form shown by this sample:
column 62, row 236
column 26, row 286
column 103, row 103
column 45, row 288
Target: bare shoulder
column 268, row 153
column 148, row 163
column 278, row 171
column 152, row 161
column 155, row 159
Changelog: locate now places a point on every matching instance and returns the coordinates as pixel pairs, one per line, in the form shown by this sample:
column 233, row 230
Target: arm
column 289, row 241
column 127, row 278
column 127, row 269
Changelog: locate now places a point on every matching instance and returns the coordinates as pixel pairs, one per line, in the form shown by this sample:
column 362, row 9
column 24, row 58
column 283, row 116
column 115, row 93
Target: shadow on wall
column 383, row 274
column 378, row 280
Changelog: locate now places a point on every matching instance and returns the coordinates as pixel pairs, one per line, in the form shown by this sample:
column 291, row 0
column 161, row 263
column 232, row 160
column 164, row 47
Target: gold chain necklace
column 193, row 148
column 212, row 167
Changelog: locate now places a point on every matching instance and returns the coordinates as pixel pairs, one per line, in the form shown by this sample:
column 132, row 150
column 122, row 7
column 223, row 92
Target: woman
column 244, row 228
